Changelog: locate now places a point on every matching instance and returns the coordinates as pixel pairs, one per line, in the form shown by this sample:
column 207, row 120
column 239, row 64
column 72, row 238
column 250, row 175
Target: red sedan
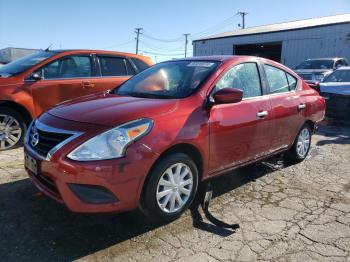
column 151, row 142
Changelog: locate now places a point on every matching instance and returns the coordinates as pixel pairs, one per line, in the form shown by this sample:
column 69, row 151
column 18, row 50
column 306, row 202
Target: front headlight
column 112, row 143
column 319, row 77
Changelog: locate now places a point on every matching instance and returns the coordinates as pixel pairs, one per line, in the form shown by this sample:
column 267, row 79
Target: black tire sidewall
column 149, row 201
column 20, row 119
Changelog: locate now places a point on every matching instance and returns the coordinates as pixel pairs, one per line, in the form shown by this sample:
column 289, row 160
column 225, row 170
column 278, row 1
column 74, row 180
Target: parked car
column 315, row 70
column 336, row 90
column 153, row 140
column 35, row 83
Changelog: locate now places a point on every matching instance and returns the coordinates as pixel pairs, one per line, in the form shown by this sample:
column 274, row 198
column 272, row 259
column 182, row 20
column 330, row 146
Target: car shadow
column 335, row 134
column 36, row 228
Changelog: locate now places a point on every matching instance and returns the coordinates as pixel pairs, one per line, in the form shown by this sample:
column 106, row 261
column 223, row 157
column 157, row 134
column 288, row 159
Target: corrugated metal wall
column 297, row 45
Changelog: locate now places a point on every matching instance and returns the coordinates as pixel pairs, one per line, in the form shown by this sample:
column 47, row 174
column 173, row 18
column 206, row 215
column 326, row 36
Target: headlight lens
column 112, row 143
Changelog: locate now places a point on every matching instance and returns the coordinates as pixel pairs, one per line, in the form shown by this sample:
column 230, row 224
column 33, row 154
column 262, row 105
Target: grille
column 42, row 142
column 306, row 76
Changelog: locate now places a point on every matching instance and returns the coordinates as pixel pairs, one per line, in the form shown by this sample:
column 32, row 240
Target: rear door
column 240, row 132
column 286, row 113
column 61, row 80
column 113, row 71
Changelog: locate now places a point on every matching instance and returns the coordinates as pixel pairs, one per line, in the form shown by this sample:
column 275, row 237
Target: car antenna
column 47, row 49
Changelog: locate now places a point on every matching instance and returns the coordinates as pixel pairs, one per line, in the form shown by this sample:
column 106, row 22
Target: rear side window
column 141, row 65
column 68, row 67
column 243, row 76
column 112, row 66
column 277, row 79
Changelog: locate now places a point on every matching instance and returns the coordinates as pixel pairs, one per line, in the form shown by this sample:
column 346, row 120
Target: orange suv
column 35, row 83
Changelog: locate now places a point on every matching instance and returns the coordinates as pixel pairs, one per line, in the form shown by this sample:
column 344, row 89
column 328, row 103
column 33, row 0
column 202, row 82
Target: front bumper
column 91, row 187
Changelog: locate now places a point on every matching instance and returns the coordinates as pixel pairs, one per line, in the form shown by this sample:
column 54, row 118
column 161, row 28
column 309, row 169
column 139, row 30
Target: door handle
column 262, row 114
column 301, row 106
column 88, row 84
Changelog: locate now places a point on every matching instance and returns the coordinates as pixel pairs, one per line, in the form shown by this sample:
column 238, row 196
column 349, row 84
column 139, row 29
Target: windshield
column 339, row 76
column 173, row 79
column 22, row 64
column 316, row 64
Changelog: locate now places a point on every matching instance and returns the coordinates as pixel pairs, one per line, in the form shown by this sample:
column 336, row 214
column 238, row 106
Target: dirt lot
column 298, row 213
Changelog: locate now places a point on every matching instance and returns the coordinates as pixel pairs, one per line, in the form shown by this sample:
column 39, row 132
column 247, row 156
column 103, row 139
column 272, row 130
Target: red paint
column 226, row 135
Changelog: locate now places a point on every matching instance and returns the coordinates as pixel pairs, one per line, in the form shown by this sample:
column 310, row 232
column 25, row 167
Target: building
column 289, row 43
column 10, row 54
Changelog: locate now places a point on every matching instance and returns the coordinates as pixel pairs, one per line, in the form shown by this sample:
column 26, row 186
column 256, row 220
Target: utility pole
column 138, row 32
column 243, row 14
column 186, row 42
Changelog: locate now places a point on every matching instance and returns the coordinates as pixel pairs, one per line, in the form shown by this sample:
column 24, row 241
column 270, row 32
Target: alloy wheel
column 303, row 143
column 10, row 131
column 174, row 188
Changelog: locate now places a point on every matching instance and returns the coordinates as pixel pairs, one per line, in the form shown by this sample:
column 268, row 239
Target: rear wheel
column 12, row 129
column 301, row 146
column 171, row 188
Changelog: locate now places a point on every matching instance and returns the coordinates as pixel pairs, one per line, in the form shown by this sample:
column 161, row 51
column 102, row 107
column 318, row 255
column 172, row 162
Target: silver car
column 317, row 69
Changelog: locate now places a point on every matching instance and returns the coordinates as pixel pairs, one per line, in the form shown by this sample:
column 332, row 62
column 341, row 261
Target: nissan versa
column 150, row 142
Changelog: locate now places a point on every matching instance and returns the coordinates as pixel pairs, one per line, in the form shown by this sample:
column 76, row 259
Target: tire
column 301, row 147
column 159, row 208
column 12, row 129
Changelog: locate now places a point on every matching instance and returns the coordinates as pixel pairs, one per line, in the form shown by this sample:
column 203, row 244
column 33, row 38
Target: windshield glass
column 316, row 64
column 339, row 76
column 22, row 64
column 173, row 79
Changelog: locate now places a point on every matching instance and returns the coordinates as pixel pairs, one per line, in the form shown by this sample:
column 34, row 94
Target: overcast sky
column 108, row 24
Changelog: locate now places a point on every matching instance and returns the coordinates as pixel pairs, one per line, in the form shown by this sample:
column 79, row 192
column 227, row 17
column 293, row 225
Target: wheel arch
column 18, row 108
column 189, row 149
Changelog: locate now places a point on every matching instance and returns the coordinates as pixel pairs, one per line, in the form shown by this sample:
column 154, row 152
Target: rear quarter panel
column 315, row 104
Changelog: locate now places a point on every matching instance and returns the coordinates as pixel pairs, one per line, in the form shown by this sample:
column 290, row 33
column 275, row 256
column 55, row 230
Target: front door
column 61, row 80
column 239, row 132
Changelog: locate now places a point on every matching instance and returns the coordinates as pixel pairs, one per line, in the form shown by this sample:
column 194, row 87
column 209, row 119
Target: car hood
column 111, row 110
column 335, row 88
column 313, row 71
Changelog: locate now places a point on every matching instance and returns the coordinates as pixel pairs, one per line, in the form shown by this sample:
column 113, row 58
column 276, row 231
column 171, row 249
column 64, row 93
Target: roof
column 326, row 58
column 286, row 26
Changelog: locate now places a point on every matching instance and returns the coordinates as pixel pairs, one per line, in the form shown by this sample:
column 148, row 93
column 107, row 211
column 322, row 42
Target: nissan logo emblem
column 34, row 138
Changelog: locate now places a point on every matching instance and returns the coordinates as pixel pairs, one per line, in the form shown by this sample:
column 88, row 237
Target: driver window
column 243, row 76
column 68, row 67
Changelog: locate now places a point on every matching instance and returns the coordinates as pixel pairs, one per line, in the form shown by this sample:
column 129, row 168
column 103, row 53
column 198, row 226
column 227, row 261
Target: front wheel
column 12, row 129
column 171, row 188
column 301, row 146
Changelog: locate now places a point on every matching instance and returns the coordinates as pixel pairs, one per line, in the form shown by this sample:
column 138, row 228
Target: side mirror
column 228, row 95
column 36, row 76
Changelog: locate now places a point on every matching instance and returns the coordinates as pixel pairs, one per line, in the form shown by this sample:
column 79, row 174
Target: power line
column 163, row 54
column 160, row 49
column 178, row 39
column 121, row 44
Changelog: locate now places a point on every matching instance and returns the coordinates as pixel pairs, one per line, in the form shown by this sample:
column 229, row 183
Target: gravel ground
column 295, row 213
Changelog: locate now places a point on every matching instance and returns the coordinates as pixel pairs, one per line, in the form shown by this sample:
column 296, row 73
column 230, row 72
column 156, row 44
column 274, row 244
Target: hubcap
column 303, row 142
column 174, row 188
column 10, row 131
